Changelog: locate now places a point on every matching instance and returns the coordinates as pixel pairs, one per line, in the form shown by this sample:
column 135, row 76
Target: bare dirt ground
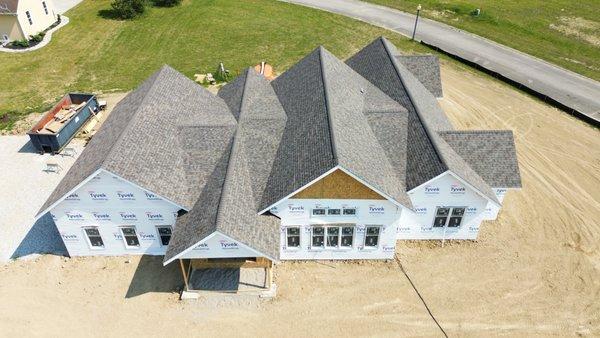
column 533, row 272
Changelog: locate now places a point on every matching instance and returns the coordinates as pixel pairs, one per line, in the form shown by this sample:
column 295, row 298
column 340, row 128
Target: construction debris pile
column 61, row 117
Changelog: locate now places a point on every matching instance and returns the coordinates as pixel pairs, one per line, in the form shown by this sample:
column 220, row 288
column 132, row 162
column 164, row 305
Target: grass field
column 96, row 53
column 563, row 32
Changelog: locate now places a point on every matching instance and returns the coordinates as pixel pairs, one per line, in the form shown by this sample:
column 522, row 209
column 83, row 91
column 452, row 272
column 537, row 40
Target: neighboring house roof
column 326, row 103
column 9, row 6
column 428, row 155
column 491, row 153
column 426, row 68
column 166, row 136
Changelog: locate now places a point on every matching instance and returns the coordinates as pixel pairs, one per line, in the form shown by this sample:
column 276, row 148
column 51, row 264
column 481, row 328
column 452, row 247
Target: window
column 372, row 236
column 4, row 37
column 333, row 212
column 94, row 238
column 454, row 214
column 29, row 17
column 347, row 236
column 130, row 237
column 441, row 216
column 456, row 218
column 293, row 237
column 349, row 211
column 318, row 212
column 164, row 232
column 333, row 237
column 318, row 237
column 45, row 7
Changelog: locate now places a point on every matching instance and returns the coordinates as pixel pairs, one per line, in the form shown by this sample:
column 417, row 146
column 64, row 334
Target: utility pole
column 416, row 21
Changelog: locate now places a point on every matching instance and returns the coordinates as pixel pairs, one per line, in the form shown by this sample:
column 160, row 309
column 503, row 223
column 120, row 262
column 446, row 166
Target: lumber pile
column 62, row 116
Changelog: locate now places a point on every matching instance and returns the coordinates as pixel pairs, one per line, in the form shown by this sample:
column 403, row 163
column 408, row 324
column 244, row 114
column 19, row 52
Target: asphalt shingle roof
column 426, row 68
column 491, row 153
column 428, row 154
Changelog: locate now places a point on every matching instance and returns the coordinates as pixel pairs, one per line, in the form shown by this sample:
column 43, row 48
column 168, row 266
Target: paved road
column 62, row 6
column 579, row 93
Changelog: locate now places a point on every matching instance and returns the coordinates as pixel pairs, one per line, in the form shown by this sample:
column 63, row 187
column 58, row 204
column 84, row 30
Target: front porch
column 228, row 275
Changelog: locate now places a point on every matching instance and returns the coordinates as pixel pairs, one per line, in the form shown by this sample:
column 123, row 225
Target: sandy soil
column 533, row 272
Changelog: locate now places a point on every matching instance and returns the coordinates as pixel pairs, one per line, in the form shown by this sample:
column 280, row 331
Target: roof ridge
column 244, row 89
column 428, row 131
column 481, row 131
column 135, row 112
column 327, row 104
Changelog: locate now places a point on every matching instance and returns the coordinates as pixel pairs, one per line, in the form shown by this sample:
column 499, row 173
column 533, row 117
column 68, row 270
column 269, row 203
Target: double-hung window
column 333, row 236
column 347, row 237
column 318, row 236
column 293, row 237
column 130, row 237
column 94, row 238
column 29, row 17
column 164, row 232
column 372, row 236
column 45, row 7
column 448, row 216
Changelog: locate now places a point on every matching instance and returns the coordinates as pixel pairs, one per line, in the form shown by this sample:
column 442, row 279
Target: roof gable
column 338, row 185
column 428, row 155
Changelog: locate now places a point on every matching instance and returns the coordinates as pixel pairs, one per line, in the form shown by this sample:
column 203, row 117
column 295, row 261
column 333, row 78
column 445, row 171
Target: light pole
column 416, row 21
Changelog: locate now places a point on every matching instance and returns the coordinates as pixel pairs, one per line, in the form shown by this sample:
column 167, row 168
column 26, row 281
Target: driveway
column 24, row 189
column 62, row 6
column 576, row 92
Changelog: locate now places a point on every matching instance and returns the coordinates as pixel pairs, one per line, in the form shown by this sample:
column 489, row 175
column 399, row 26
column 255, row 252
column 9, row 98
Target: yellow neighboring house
column 20, row 19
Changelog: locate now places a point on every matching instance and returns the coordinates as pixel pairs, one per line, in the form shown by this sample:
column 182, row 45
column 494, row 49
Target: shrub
column 128, row 9
column 38, row 37
column 21, row 43
column 166, row 3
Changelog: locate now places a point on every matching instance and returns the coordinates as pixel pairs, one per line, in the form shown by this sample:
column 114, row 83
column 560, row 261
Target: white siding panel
column 297, row 212
column 108, row 202
column 444, row 191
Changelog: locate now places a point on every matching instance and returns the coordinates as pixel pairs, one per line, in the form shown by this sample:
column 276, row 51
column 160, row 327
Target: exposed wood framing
column 202, row 263
column 338, row 185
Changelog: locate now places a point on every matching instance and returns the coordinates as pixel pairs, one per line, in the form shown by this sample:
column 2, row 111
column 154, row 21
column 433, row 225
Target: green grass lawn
column 564, row 32
column 94, row 53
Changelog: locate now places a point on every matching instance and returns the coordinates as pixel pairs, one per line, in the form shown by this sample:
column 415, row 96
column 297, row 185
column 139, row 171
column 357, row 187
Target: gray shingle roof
column 426, row 68
column 230, row 200
column 325, row 100
column 491, row 153
column 167, row 125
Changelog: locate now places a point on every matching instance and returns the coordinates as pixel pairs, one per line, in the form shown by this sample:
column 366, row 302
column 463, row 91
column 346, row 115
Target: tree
column 128, row 9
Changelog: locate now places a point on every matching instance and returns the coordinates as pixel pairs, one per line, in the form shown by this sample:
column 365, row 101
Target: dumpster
column 59, row 125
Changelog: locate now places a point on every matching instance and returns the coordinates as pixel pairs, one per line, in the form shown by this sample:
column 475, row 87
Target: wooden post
column 270, row 274
column 185, row 277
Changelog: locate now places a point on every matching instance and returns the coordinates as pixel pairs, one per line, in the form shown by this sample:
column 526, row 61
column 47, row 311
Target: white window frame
column 127, row 246
column 312, row 212
column 312, row 234
column 287, row 246
column 368, row 247
column 355, row 212
column 450, row 211
column 89, row 242
column 332, row 215
column 326, row 228
column 159, row 235
column 45, row 7
column 29, row 18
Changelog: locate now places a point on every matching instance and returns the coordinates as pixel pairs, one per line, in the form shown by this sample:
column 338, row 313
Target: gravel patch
column 230, row 279
column 24, row 189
